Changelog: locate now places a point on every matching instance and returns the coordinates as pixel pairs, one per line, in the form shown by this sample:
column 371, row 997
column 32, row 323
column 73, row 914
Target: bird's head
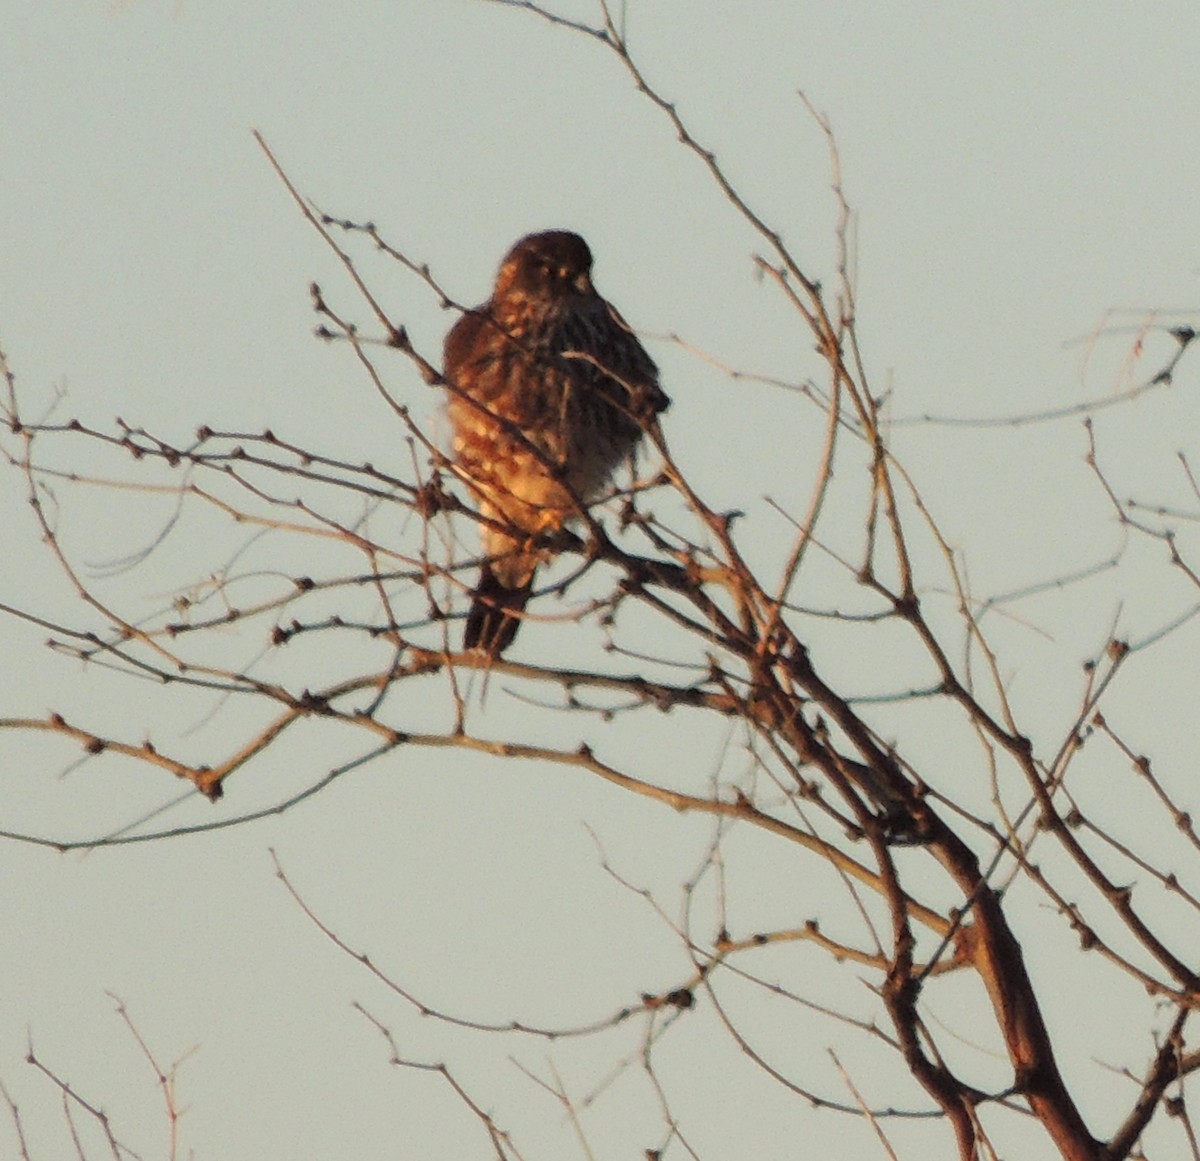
column 554, row 264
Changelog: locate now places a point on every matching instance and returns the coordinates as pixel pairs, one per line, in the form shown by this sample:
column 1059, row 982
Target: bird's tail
column 495, row 613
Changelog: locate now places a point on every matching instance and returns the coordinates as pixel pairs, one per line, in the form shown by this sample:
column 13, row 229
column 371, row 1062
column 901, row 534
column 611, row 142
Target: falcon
column 550, row 391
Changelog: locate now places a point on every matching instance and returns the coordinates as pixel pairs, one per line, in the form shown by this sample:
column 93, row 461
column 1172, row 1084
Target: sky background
column 1024, row 181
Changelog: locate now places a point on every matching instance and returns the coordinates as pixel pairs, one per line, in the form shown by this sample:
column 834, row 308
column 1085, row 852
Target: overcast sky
column 1024, row 179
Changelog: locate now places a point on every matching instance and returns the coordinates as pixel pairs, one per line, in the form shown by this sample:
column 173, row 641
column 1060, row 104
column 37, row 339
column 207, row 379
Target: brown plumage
column 549, row 391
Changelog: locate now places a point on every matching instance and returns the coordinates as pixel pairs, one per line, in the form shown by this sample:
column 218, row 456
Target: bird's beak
column 584, row 284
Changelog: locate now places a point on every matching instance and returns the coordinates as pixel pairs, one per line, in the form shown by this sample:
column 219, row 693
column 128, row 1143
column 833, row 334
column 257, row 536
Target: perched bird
column 549, row 392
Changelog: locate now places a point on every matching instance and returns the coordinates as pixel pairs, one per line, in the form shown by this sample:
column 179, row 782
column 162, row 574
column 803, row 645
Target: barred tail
column 495, row 614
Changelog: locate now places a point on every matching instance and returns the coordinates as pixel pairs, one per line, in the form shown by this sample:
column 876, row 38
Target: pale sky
column 1024, row 179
